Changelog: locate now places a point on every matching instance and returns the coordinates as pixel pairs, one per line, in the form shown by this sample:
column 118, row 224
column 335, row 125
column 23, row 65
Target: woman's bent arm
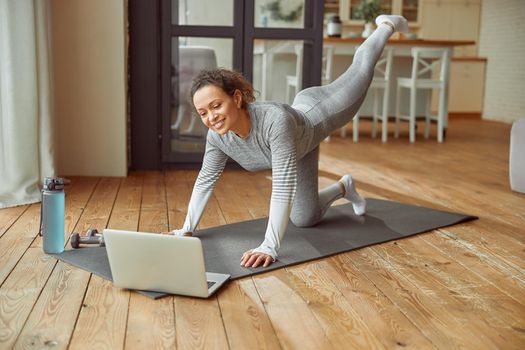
column 284, row 184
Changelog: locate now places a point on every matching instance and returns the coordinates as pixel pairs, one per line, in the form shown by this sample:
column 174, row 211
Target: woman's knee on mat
column 301, row 220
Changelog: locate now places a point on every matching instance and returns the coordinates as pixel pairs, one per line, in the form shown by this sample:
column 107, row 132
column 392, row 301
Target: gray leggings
column 330, row 107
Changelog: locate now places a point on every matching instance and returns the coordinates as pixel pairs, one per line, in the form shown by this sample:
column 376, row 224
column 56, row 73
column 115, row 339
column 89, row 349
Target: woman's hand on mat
column 179, row 232
column 254, row 259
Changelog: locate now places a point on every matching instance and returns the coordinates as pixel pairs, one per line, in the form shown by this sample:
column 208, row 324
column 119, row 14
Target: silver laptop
column 160, row 263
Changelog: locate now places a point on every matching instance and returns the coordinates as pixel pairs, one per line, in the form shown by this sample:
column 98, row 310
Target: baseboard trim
column 451, row 115
column 464, row 115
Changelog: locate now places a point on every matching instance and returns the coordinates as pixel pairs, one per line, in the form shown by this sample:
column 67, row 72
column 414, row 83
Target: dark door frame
column 151, row 30
column 144, row 84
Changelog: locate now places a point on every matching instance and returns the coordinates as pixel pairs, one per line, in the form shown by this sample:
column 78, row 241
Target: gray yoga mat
column 339, row 231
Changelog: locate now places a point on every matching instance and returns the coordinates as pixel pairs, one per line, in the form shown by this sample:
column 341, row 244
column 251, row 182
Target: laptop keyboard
column 210, row 284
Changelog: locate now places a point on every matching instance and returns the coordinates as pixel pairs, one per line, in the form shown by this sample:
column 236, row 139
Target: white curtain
column 26, row 142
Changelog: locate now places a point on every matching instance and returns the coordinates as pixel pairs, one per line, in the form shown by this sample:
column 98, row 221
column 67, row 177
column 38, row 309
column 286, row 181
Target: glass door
column 196, row 35
column 283, row 42
column 233, row 34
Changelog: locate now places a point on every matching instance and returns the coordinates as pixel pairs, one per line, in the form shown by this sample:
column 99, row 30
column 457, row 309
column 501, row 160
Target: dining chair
column 430, row 70
column 192, row 59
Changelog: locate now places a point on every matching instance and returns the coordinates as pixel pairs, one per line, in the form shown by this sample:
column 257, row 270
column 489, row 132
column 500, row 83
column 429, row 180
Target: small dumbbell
column 92, row 237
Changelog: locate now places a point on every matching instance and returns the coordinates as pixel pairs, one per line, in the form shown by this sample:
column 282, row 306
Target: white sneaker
column 399, row 22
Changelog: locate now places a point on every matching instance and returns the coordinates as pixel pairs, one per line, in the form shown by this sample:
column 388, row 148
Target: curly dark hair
column 227, row 80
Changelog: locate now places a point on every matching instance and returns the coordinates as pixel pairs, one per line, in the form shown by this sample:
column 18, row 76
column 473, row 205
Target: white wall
column 89, row 73
column 502, row 41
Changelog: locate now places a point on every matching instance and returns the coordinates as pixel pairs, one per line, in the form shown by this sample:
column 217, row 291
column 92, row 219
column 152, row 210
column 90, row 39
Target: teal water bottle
column 52, row 228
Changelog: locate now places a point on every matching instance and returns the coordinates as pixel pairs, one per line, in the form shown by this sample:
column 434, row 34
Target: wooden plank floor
column 457, row 287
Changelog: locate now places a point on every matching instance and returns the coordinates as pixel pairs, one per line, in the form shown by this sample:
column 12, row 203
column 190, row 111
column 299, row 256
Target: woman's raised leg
column 332, row 106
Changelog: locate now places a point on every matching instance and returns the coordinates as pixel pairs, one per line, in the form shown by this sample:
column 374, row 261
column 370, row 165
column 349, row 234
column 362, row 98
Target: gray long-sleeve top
column 279, row 136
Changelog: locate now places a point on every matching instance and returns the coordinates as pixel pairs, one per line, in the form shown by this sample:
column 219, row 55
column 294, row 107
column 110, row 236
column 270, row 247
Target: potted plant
column 368, row 10
column 277, row 13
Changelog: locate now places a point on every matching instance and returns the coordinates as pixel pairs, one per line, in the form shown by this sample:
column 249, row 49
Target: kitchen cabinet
column 452, row 20
column 467, row 85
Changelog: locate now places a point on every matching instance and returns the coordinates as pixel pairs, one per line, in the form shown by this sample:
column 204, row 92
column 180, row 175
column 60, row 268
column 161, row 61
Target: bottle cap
column 334, row 19
column 53, row 184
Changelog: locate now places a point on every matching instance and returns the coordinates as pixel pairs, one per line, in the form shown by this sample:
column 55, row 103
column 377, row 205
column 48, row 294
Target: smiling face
column 220, row 111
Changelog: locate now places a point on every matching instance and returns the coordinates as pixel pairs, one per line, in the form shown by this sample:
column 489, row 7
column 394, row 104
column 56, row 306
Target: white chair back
column 430, row 61
column 383, row 68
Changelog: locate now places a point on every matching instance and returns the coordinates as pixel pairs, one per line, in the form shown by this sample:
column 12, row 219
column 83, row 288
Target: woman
column 263, row 135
